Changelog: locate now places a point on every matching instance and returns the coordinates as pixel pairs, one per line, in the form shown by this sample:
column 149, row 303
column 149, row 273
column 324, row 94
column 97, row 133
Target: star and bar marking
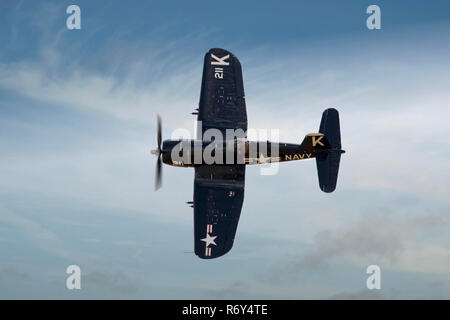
column 209, row 240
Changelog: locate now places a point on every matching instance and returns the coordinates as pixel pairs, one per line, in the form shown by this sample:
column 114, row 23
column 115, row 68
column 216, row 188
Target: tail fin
column 328, row 160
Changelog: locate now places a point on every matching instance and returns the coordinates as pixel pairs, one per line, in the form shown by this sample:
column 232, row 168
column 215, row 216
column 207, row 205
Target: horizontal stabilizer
column 328, row 160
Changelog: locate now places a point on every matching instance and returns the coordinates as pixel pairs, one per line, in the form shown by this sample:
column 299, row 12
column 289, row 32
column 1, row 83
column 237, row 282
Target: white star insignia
column 261, row 159
column 209, row 240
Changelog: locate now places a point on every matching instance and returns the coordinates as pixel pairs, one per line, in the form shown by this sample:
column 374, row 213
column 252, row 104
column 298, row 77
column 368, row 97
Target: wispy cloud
column 30, row 227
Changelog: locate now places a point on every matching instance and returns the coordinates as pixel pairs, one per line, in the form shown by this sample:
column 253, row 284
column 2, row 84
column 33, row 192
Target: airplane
column 219, row 185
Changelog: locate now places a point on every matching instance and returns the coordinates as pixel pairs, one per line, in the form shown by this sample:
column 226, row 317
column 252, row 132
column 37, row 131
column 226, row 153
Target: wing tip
column 213, row 255
column 220, row 51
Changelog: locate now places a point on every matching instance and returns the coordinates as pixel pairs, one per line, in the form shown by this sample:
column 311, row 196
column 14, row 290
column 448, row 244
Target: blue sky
column 77, row 120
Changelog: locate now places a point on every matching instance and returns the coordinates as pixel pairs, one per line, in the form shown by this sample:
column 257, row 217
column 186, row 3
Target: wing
column 222, row 101
column 218, row 198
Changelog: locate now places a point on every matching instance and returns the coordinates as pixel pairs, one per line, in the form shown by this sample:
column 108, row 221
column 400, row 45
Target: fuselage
column 189, row 153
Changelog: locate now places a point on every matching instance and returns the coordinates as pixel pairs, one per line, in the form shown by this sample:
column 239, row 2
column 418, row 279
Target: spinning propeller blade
column 157, row 152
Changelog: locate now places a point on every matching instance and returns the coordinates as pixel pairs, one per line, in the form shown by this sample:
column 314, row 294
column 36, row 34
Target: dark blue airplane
column 219, row 186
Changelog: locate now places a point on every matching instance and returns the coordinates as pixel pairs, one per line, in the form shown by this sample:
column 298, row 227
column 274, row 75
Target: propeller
column 158, row 152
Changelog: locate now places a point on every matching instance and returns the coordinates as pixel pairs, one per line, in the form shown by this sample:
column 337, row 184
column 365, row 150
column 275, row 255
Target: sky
column 78, row 119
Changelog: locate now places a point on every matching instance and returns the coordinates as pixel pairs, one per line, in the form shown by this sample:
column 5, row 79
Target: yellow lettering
column 314, row 141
